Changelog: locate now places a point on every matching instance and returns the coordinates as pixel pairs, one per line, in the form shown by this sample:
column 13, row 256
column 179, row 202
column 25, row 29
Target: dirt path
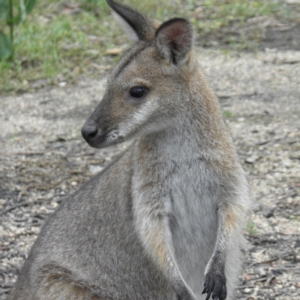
column 43, row 158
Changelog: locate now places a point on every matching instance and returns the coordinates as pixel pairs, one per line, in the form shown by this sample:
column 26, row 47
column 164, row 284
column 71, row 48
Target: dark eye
column 138, row 91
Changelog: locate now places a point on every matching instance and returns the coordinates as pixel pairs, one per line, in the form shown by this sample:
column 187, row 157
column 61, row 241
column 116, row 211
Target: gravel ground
column 43, row 158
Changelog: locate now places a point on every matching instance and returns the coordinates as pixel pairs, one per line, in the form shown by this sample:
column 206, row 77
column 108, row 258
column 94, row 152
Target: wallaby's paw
column 185, row 295
column 215, row 286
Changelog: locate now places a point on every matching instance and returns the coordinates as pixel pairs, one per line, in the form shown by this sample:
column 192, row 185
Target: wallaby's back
column 89, row 247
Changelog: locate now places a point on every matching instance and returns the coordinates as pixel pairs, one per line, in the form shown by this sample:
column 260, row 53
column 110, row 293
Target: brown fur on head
column 135, row 99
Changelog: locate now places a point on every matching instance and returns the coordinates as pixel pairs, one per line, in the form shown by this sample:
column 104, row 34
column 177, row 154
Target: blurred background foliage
column 12, row 13
column 59, row 41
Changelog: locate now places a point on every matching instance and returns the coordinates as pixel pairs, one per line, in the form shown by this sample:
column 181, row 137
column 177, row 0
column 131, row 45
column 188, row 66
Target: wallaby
column 166, row 217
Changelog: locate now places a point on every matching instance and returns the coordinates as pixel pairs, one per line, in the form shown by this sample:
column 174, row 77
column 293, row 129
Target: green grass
column 217, row 15
column 251, row 228
column 56, row 46
column 228, row 114
column 50, row 43
column 220, row 13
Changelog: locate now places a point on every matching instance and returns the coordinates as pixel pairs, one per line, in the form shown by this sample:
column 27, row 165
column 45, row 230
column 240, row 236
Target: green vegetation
column 59, row 41
column 251, row 228
column 12, row 13
column 221, row 13
column 228, row 114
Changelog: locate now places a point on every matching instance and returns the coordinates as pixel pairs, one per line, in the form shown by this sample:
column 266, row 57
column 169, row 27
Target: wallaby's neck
column 198, row 129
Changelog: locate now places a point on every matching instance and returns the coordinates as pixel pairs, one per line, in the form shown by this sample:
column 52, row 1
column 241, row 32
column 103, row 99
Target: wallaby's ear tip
column 175, row 37
column 135, row 24
column 176, row 24
column 177, row 29
column 110, row 2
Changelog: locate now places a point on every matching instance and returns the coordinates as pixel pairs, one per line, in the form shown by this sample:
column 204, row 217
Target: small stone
column 197, row 12
column 95, row 169
column 256, row 207
column 93, row 52
column 261, row 272
column 40, row 83
column 251, row 160
column 297, row 245
column 267, row 211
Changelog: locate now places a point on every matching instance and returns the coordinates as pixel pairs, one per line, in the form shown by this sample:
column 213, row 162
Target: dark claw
column 217, row 289
column 215, row 286
column 210, row 288
column 224, row 293
column 205, row 285
column 208, row 296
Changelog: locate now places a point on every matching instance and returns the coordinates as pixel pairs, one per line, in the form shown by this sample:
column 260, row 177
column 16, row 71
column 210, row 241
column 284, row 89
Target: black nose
column 89, row 131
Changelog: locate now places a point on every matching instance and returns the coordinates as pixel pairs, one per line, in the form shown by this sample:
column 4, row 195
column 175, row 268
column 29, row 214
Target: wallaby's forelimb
column 229, row 216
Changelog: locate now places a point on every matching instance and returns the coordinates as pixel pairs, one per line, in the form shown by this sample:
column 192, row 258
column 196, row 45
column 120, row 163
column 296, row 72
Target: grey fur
column 167, row 216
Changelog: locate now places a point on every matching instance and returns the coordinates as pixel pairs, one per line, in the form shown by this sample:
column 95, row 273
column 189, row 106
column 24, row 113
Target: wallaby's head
column 147, row 86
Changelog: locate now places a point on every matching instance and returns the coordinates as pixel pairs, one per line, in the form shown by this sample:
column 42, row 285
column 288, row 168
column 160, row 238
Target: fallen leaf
column 114, row 51
column 247, row 277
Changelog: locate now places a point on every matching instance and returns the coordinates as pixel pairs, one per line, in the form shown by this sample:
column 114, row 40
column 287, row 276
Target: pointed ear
column 135, row 24
column 174, row 40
